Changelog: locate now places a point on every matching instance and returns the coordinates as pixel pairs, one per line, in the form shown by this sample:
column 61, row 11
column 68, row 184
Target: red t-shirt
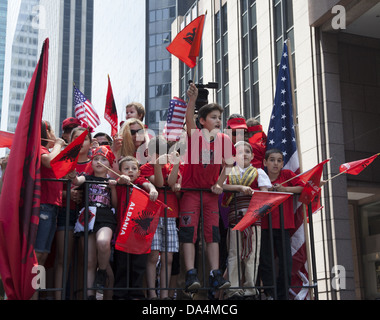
column 147, row 170
column 258, row 144
column 287, row 205
column 51, row 191
column 203, row 160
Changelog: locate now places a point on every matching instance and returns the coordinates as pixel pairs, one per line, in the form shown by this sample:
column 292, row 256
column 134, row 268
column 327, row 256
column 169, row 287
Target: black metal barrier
column 77, row 288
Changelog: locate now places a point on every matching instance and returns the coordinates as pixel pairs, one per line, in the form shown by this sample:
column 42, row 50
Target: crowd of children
column 230, row 166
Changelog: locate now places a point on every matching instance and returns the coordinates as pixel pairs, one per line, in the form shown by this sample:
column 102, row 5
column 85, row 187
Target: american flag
column 84, row 110
column 174, row 123
column 282, row 136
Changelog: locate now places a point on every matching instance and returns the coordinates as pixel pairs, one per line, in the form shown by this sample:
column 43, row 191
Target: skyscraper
column 20, row 58
column 160, row 15
column 3, row 32
column 69, row 26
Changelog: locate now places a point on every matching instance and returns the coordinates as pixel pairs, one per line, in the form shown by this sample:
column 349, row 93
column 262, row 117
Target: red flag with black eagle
column 138, row 223
column 110, row 113
column 186, row 45
column 67, row 160
column 358, row 166
column 261, row 204
column 21, row 193
column 312, row 179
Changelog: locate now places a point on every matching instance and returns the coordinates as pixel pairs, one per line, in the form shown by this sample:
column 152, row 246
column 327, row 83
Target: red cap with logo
column 70, row 123
column 237, row 123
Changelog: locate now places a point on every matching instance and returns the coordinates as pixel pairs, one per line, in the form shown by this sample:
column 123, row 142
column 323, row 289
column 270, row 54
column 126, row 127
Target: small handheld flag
column 358, row 166
column 6, row 139
column 84, row 110
column 186, row 45
column 66, row 161
column 174, row 123
column 262, row 203
column 110, row 113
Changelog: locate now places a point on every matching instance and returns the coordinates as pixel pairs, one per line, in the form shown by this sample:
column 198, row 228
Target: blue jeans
column 46, row 228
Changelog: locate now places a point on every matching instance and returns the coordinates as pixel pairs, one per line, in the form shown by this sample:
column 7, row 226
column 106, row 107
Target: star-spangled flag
column 281, row 132
column 174, row 123
column 84, row 110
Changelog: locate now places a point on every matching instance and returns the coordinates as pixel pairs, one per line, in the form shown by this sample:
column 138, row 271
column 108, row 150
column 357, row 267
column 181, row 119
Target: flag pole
column 305, row 223
column 337, row 175
column 196, row 69
column 298, row 175
column 118, row 175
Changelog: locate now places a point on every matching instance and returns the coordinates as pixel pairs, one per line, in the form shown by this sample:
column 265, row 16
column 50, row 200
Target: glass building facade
column 3, row 33
column 160, row 15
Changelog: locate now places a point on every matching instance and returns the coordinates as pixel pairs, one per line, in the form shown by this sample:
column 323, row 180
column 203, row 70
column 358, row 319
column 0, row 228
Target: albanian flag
column 138, row 223
column 187, row 43
column 110, row 113
column 262, row 203
column 6, row 139
column 67, row 160
column 358, row 166
column 312, row 179
column 20, row 197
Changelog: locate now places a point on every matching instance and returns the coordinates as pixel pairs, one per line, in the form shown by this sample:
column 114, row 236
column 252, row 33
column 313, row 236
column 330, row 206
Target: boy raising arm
column 202, row 171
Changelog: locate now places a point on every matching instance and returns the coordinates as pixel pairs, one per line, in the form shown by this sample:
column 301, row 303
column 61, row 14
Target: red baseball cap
column 237, row 123
column 70, row 123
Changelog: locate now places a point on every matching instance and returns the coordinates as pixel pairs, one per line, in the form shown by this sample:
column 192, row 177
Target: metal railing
column 73, row 267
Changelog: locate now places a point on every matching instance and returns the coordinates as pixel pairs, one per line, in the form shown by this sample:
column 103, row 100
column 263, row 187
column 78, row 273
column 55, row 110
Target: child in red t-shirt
column 51, row 193
column 274, row 162
column 83, row 167
column 258, row 140
column 206, row 150
column 162, row 173
column 130, row 268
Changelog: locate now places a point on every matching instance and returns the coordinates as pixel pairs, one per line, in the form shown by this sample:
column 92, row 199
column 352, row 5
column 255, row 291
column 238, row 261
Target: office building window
column 221, row 58
column 283, row 30
column 250, row 60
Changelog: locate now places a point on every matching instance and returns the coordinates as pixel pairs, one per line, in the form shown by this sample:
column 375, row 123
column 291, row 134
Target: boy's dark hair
column 102, row 134
column 271, row 151
column 80, row 129
column 45, row 127
column 208, row 108
column 235, row 116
